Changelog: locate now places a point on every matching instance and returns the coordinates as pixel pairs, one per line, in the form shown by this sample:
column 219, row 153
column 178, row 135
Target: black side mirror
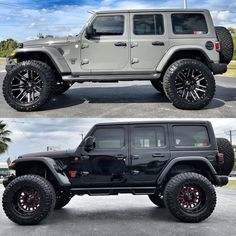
column 89, row 143
column 90, row 31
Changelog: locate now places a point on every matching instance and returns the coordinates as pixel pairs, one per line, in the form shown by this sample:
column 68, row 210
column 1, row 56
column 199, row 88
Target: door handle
column 85, row 157
column 135, row 157
column 120, row 44
column 158, row 43
column 158, row 155
column 120, row 157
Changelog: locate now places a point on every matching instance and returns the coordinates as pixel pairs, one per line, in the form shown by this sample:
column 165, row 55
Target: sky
column 25, row 19
column 36, row 134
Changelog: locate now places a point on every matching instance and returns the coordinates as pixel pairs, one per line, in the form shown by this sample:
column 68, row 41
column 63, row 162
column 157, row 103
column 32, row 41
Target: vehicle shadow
column 127, row 94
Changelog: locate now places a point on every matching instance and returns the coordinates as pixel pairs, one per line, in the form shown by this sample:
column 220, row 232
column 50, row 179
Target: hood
column 49, row 41
column 53, row 154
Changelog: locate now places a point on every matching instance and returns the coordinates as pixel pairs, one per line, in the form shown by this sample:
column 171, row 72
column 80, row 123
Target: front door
column 149, row 152
column 149, row 40
column 107, row 50
column 107, row 163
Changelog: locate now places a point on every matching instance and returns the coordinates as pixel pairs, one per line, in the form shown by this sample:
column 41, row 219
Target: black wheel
column 28, row 199
column 189, row 84
column 226, row 44
column 190, row 197
column 158, row 85
column 225, row 147
column 62, row 87
column 157, row 199
column 29, row 85
column 62, row 199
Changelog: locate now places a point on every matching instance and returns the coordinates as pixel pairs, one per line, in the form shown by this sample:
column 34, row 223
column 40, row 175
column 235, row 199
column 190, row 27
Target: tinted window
column 109, row 25
column 148, row 137
column 148, row 24
column 189, row 23
column 194, row 136
column 109, row 138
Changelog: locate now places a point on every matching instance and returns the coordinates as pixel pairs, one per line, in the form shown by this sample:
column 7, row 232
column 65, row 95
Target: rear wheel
column 29, row 85
column 157, row 199
column 189, row 84
column 28, row 199
column 190, row 197
column 158, row 85
column 225, row 147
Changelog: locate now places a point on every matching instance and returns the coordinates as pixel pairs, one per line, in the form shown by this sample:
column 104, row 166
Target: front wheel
column 29, row 85
column 28, row 199
column 190, row 197
column 189, row 84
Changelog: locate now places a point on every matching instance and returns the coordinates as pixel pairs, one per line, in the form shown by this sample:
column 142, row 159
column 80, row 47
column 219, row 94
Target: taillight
column 73, row 173
column 220, row 157
column 217, row 46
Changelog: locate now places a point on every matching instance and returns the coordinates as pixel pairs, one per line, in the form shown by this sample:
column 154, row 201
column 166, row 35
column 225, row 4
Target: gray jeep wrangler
column 179, row 51
column 175, row 163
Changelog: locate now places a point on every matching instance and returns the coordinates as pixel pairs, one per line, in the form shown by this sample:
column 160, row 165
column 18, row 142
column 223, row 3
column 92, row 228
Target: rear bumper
column 221, row 180
column 218, row 68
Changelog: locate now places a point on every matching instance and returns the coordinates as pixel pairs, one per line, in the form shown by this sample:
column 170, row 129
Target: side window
column 109, row 25
column 148, row 137
column 189, row 23
column 109, row 138
column 191, row 136
column 148, row 24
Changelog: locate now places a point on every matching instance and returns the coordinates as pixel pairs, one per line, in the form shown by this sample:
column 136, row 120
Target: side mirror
column 90, row 31
column 89, row 143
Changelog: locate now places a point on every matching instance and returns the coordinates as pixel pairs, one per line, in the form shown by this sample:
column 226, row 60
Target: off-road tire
column 171, row 90
column 46, row 204
column 158, row 85
column 225, row 147
column 61, row 87
column 157, row 199
column 226, row 44
column 62, row 199
column 46, row 76
column 173, row 189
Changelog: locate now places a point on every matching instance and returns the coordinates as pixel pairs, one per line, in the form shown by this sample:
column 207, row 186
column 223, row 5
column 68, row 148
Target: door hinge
column 134, row 60
column 84, row 45
column 134, row 44
column 84, row 61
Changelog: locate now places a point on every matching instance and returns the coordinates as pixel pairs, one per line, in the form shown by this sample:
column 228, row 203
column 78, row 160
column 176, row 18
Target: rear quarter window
column 189, row 23
column 191, row 136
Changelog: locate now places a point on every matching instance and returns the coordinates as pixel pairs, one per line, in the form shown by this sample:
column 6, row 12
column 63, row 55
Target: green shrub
column 7, row 46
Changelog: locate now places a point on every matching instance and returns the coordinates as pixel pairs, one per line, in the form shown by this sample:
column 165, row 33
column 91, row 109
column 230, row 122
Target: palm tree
column 4, row 133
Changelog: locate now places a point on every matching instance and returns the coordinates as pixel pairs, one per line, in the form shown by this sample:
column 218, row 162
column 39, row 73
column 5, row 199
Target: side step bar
column 110, row 77
column 114, row 190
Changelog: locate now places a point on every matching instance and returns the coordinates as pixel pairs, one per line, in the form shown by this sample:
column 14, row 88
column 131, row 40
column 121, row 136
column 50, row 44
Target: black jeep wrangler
column 176, row 163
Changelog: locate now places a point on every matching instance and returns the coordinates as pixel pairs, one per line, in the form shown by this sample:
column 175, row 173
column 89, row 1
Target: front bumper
column 7, row 180
column 218, row 68
column 10, row 63
column 221, row 180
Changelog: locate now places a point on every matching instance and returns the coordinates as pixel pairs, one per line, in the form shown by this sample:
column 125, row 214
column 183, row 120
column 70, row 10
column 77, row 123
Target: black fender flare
column 52, row 166
column 189, row 159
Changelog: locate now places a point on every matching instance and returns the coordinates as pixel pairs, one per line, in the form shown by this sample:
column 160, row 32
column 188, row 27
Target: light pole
column 185, row 4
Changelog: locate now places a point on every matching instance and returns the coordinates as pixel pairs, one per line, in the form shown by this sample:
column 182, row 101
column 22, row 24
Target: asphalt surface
column 126, row 215
column 126, row 99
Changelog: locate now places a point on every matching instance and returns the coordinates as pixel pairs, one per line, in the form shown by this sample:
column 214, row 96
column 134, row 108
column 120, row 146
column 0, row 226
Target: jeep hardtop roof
column 152, row 10
column 193, row 122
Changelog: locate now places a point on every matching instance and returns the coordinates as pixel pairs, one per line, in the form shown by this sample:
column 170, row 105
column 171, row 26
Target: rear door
column 149, row 40
column 149, row 151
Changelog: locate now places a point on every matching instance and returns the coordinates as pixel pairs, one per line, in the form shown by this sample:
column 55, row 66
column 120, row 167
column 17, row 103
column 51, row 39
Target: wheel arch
column 185, row 164
column 50, row 56
column 178, row 53
column 43, row 166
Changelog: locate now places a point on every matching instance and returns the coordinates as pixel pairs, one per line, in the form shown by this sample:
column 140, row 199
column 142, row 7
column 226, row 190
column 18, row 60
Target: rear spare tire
column 226, row 44
column 225, row 147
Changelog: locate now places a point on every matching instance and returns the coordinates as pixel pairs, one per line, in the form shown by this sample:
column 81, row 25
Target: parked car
column 176, row 163
column 179, row 51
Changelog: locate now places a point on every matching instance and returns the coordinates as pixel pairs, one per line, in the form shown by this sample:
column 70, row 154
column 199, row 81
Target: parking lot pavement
column 127, row 215
column 127, row 99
